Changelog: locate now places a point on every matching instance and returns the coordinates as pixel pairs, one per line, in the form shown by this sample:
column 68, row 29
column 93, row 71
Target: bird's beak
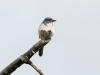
column 53, row 20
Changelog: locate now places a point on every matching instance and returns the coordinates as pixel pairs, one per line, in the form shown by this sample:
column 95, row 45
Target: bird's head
column 48, row 20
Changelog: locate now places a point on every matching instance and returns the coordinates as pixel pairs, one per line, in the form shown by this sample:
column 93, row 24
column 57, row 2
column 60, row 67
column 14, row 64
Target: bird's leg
column 48, row 38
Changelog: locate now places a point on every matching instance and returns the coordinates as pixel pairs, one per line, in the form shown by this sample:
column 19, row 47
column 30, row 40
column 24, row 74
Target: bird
column 46, row 31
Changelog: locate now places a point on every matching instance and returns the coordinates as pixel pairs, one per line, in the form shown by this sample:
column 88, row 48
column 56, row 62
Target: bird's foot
column 47, row 38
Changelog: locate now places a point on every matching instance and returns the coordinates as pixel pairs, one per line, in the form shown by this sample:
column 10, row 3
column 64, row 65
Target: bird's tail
column 40, row 51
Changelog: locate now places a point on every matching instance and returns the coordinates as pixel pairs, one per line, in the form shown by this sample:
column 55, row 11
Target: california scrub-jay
column 46, row 31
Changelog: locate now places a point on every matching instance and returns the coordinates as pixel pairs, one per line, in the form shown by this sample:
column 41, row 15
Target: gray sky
column 73, row 50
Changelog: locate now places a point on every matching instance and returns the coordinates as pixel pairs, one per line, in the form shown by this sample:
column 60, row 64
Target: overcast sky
column 73, row 50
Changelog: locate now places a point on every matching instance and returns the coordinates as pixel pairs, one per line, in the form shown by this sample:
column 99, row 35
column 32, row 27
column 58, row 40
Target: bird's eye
column 47, row 20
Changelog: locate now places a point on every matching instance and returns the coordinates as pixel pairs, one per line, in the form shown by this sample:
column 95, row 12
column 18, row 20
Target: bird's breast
column 47, row 28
